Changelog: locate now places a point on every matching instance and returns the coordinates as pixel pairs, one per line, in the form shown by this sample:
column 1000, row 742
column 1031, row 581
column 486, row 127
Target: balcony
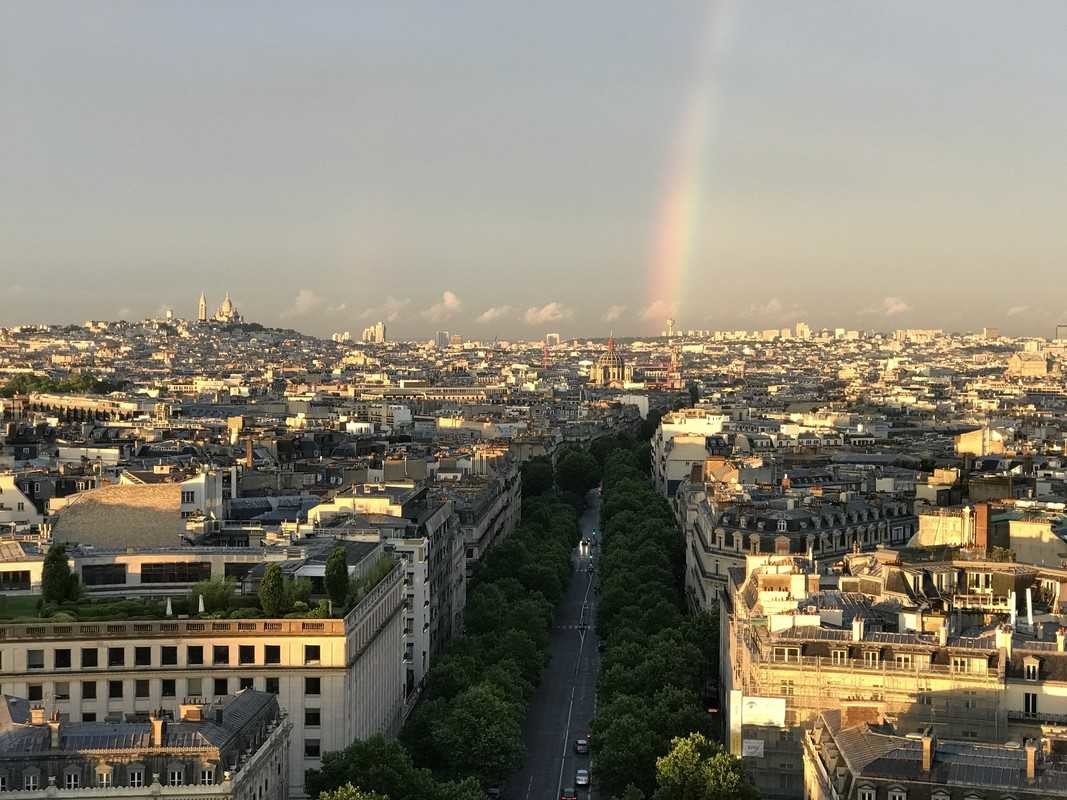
column 172, row 630
column 1037, row 717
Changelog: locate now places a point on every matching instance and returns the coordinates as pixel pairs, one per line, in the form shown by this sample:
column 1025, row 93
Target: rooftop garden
column 64, row 599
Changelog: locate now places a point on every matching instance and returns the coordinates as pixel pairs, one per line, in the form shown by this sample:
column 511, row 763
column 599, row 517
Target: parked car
column 568, row 794
column 494, row 793
column 581, row 777
column 581, row 746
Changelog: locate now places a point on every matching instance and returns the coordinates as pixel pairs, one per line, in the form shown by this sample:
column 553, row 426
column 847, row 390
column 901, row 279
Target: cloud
column 124, row 312
column 340, row 308
column 388, row 311
column 613, row 314
column 1015, row 311
column 773, row 311
column 493, row 314
column 304, row 303
column 550, row 312
column 16, row 288
column 448, row 305
column 891, row 306
column 658, row 309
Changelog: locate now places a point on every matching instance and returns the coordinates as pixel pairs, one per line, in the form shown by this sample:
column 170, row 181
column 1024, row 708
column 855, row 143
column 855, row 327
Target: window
column 220, row 654
column 207, row 776
column 311, row 654
column 35, row 691
column 222, row 686
column 116, row 656
column 89, row 716
column 114, row 690
column 136, row 778
column 787, row 654
column 194, row 687
column 188, row 497
column 272, row 654
column 168, row 655
column 960, row 664
column 142, row 656
column 175, row 777
column 88, row 690
column 104, row 574
column 140, row 688
column 903, row 660
column 194, row 654
column 870, row 658
column 90, row 657
column 245, row 683
column 35, row 659
column 839, row 657
column 311, row 748
column 866, row 794
column 168, row 688
column 898, row 794
column 103, row 779
column 272, row 685
column 1031, row 672
column 1030, row 704
column 72, row 780
column 246, row 654
column 61, row 658
column 31, row 781
column 63, row 691
column 312, row 717
column 787, row 688
column 312, row 686
column 176, row 572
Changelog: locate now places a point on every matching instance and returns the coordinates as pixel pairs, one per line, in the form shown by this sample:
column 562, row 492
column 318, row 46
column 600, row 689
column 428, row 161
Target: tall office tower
column 551, row 339
column 670, row 328
column 379, row 332
column 440, row 339
column 803, row 330
column 1061, row 332
column 201, row 312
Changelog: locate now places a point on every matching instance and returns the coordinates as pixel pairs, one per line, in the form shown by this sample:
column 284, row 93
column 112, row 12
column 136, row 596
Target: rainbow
column 680, row 210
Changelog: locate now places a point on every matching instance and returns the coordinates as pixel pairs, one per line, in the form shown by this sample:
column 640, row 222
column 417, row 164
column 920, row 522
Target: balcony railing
column 173, row 629
column 884, row 665
column 1037, row 717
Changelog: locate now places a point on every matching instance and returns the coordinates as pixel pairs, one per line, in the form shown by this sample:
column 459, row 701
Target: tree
column 578, row 472
column 537, row 477
column 272, row 594
column 58, row 583
column 697, row 768
column 480, row 732
column 336, row 578
column 632, row 793
column 217, row 593
column 350, row 792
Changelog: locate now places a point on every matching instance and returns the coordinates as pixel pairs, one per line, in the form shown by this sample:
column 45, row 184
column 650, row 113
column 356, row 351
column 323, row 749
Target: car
column 494, row 793
column 581, row 746
column 581, row 777
column 568, row 794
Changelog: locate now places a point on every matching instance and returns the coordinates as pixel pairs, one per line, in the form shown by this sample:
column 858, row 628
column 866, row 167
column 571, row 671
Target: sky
column 507, row 169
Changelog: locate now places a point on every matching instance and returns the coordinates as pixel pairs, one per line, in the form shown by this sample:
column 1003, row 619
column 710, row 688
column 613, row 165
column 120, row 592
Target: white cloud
column 1015, row 311
column 340, row 308
column 304, row 303
column 388, row 311
column 891, row 306
column 658, row 309
column 125, row 312
column 613, row 314
column 444, row 309
column 773, row 311
column 493, row 314
column 550, row 312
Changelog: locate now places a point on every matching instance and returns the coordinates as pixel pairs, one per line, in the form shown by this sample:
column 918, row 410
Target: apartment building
column 341, row 679
column 232, row 749
column 792, row 648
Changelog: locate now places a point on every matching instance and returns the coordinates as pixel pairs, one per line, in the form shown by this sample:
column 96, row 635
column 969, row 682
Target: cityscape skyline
column 716, row 162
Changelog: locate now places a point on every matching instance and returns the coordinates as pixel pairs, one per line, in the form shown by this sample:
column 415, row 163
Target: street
column 565, row 702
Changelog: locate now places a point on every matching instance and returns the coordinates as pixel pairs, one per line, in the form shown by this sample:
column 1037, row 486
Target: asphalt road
column 565, row 702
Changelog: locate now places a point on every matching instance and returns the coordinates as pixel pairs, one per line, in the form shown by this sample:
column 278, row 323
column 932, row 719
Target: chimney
column 37, row 716
column 1031, row 761
column 942, row 633
column 53, row 731
column 1003, row 642
column 248, row 454
column 928, row 751
column 858, row 628
column 981, row 526
column 159, row 726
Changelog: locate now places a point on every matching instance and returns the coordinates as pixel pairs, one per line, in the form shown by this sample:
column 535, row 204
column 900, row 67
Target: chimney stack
column 249, row 460
column 159, row 726
column 1061, row 635
column 858, row 628
column 942, row 633
column 928, row 751
column 981, row 526
column 1031, row 761
column 1004, row 633
column 37, row 716
column 53, row 731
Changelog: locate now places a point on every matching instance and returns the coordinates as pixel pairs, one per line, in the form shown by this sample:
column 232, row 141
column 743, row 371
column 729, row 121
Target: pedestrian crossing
column 569, row 627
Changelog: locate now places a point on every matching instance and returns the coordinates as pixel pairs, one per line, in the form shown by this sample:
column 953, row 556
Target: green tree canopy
column 58, row 583
column 350, row 792
column 336, row 576
column 697, row 768
column 272, row 595
column 481, row 734
column 537, row 477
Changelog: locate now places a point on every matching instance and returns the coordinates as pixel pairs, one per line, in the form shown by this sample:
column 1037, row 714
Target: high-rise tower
column 201, row 313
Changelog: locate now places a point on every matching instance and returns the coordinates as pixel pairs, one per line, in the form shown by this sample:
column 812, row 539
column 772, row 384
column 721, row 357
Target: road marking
column 529, row 788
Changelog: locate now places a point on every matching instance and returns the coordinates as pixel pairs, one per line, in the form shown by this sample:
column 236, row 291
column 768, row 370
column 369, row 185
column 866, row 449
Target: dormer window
column 1031, row 668
column 898, row 794
column 782, row 526
column 866, row 793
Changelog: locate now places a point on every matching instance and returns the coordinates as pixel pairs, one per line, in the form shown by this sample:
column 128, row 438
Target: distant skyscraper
column 375, row 334
column 201, row 313
column 803, row 330
column 1061, row 332
column 440, row 339
column 670, row 327
column 551, row 339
